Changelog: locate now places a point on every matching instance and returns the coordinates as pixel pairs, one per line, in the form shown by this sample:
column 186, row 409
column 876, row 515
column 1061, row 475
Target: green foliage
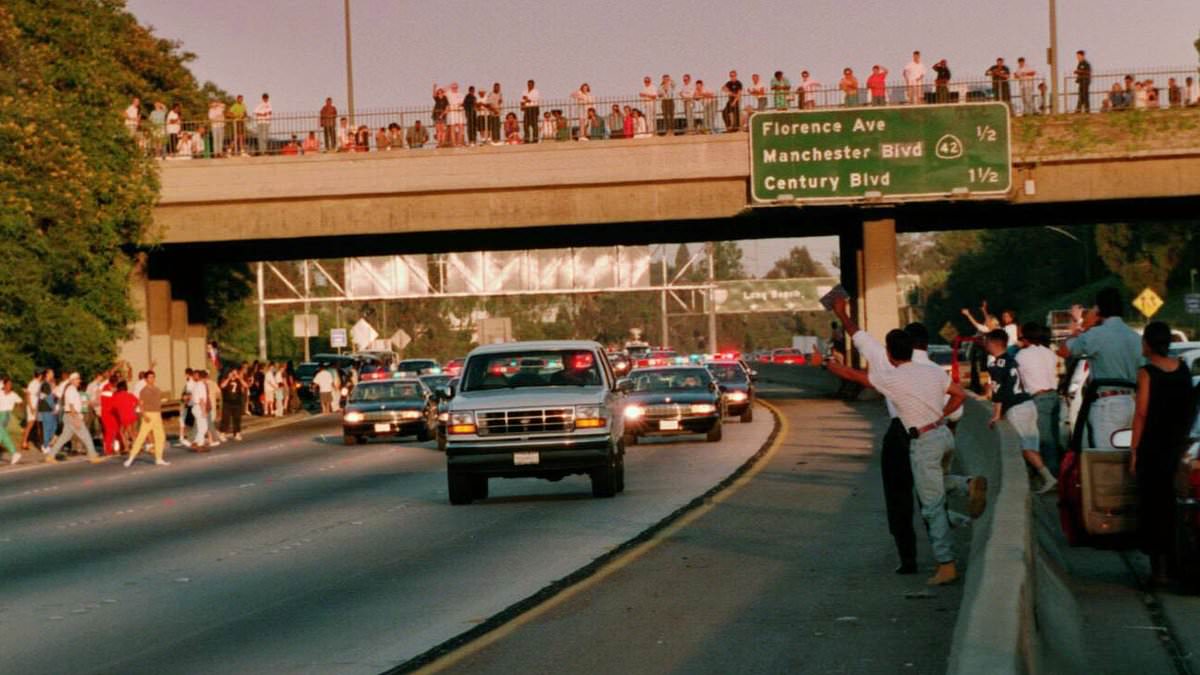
column 75, row 193
column 1144, row 255
column 798, row 263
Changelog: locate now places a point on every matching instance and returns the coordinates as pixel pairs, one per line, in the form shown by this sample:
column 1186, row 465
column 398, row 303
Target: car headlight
column 353, row 417
column 634, row 412
column 443, row 417
column 461, row 423
column 410, row 414
column 703, row 408
column 736, row 396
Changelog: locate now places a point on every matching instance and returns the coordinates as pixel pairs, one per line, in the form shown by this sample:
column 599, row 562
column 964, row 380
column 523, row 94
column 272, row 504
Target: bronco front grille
column 547, row 420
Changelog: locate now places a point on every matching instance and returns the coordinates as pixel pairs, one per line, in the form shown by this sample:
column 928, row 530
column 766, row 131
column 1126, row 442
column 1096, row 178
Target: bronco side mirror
column 624, row 385
column 1122, row 439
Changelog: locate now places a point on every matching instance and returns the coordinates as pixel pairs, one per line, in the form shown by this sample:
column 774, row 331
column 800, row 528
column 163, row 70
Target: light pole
column 350, row 63
column 1051, row 56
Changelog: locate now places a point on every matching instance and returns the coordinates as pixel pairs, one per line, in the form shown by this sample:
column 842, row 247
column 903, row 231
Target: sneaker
column 128, row 463
column 161, row 462
column 976, row 496
column 237, row 437
column 51, row 459
column 947, row 573
column 214, row 444
column 16, row 457
column 1048, row 486
column 98, row 459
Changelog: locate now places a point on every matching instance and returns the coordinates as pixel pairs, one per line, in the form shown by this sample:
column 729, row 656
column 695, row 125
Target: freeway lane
column 292, row 553
column 789, row 573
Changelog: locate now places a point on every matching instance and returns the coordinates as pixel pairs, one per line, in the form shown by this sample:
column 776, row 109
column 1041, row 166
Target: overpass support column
column 879, row 291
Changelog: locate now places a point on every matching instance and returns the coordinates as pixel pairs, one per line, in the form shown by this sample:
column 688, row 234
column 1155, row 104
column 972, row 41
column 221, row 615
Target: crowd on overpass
column 118, row 414
column 471, row 116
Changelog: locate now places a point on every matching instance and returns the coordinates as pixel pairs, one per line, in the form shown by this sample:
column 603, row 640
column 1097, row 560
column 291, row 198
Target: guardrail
column 1144, row 88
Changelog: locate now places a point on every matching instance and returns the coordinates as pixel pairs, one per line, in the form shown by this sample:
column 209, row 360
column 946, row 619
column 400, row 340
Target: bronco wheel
column 604, row 480
column 748, row 414
column 461, row 487
column 423, row 434
column 349, row 440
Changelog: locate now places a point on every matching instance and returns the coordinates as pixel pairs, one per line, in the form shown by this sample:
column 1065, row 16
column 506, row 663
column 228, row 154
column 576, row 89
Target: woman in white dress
column 641, row 129
column 456, row 119
column 583, row 100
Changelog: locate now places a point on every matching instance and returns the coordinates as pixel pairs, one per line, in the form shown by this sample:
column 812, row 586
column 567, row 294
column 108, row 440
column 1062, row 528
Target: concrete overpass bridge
column 1066, row 169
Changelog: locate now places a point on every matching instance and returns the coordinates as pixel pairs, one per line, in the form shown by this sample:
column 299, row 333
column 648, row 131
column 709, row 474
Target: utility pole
column 350, row 64
column 1052, row 56
column 262, row 317
column 666, row 341
column 712, row 300
column 307, row 309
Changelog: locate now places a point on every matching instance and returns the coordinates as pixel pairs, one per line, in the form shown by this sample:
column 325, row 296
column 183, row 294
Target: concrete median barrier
column 811, row 378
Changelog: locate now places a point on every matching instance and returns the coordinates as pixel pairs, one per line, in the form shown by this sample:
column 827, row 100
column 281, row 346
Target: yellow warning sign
column 1148, row 302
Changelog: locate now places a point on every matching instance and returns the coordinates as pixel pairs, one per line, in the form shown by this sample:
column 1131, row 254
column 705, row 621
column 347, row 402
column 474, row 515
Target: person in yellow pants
column 150, row 400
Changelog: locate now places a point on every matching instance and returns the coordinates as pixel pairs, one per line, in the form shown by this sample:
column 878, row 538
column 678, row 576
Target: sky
column 295, row 49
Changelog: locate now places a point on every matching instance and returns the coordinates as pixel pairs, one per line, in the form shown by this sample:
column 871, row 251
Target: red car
column 792, row 357
column 453, row 367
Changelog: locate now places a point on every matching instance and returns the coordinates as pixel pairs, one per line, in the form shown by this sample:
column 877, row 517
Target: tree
column 76, row 193
column 1145, row 255
column 798, row 263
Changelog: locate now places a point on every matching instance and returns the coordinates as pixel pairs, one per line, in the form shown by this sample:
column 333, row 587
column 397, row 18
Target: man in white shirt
column 133, row 116
column 32, row 391
column 9, row 400
column 1025, row 77
column 531, row 101
column 649, row 98
column 73, row 426
column 1037, row 365
column 216, row 120
column 914, row 79
column 324, row 383
column 687, row 94
column 269, row 385
column 923, row 397
column 810, row 87
column 262, row 124
column 666, row 97
column 198, row 398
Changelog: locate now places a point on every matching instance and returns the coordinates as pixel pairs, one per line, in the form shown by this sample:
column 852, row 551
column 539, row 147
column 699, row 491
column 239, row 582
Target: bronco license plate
column 526, row 458
column 668, row 425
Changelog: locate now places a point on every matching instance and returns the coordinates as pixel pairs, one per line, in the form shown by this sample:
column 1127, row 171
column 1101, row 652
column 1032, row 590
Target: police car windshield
column 674, row 379
column 727, row 372
column 368, row 392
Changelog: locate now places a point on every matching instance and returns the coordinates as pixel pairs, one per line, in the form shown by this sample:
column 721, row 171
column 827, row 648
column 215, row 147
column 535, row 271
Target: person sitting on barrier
column 1161, row 422
column 1010, row 401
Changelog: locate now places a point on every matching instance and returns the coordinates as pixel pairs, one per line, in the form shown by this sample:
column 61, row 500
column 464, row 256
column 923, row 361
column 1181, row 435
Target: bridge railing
column 1143, row 88
column 568, row 118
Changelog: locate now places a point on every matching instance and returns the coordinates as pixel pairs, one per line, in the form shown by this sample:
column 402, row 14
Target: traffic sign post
column 338, row 338
column 881, row 154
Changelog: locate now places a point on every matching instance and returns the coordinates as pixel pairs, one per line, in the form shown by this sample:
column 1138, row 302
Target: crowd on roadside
column 1135, row 385
column 474, row 116
column 116, row 413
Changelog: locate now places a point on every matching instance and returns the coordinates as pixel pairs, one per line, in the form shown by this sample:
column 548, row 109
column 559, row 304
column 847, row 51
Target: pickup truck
column 535, row 409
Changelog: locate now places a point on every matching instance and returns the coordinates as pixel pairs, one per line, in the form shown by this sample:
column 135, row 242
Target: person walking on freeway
column 1013, row 402
column 32, row 392
column 924, row 398
column 73, row 426
column 9, row 400
column 150, row 402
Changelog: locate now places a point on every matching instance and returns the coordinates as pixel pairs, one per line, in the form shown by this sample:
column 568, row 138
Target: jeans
column 263, row 132
column 668, row 114
column 73, row 427
column 1084, row 103
column 1109, row 414
column 688, row 116
column 732, row 115
column 933, row 484
column 1048, row 408
column 49, row 428
column 530, row 126
column 330, row 132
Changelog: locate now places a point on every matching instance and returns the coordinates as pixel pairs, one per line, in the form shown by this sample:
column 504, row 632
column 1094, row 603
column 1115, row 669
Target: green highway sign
column 772, row 295
column 890, row 154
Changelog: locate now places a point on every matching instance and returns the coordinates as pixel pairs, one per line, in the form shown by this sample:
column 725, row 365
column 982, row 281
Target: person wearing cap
column 924, row 398
column 73, row 426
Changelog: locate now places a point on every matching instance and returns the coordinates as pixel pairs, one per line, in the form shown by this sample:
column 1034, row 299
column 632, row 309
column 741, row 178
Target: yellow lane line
column 615, row 565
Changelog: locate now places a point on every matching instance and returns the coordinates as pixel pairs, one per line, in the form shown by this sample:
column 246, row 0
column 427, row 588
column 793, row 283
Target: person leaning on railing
column 417, row 135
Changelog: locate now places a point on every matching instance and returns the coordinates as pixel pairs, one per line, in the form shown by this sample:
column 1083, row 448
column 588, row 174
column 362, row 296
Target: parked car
column 418, row 367
column 535, row 409
column 788, row 356
column 673, row 400
column 389, row 408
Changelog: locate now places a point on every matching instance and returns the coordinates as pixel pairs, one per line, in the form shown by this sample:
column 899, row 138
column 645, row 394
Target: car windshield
column 674, row 379
column 435, row 381
column 519, row 369
column 386, row 391
column 727, row 372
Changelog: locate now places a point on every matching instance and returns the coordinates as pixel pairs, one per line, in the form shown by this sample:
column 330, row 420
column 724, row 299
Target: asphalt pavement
column 788, row 571
column 291, row 553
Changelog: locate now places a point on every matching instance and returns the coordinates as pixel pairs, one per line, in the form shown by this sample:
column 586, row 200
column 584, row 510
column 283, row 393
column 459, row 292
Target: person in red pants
column 125, row 406
column 109, row 422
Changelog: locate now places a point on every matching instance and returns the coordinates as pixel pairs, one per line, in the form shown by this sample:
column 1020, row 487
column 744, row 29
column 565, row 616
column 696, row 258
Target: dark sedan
column 737, row 384
column 673, row 400
column 389, row 408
